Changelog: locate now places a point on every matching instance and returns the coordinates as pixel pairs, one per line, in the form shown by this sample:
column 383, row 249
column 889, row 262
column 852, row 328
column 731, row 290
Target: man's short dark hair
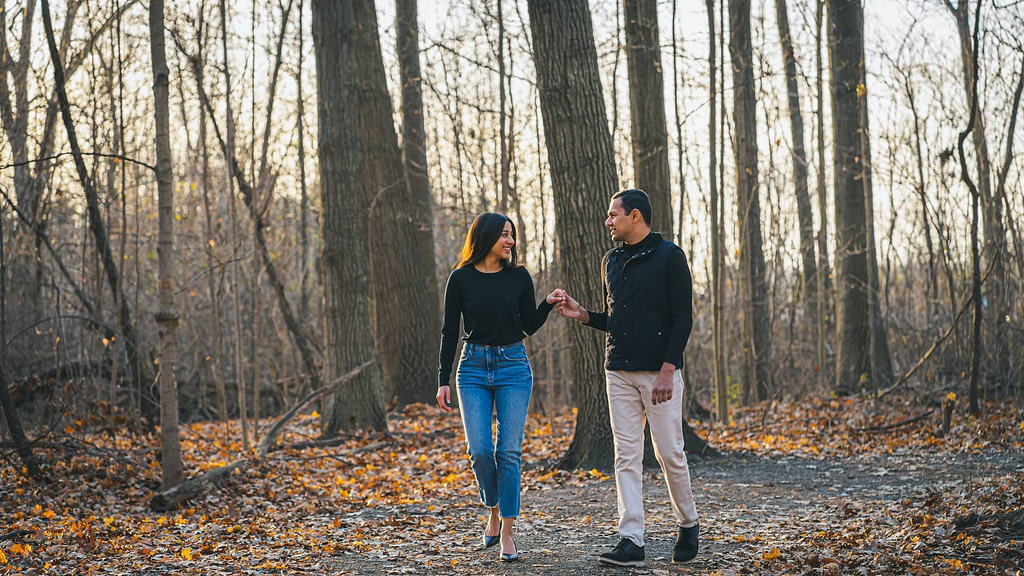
column 635, row 199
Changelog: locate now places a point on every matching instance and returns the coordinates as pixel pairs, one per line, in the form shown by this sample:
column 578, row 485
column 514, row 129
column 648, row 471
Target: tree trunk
column 993, row 253
column 405, row 343
column 756, row 326
column 647, row 110
column 414, row 148
column 824, row 284
column 853, row 325
column 717, row 285
column 503, row 143
column 972, row 125
column 583, row 179
column 803, row 201
column 15, row 119
column 229, row 154
column 304, row 264
column 166, row 318
column 347, row 333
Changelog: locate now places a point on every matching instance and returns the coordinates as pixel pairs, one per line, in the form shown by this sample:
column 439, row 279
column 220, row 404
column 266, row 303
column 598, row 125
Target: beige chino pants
column 629, row 404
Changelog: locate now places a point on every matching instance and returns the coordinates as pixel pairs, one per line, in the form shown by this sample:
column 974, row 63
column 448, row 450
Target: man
column 648, row 317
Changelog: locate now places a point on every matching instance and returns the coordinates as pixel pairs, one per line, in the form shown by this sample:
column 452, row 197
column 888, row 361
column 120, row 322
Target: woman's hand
column 556, row 297
column 444, row 398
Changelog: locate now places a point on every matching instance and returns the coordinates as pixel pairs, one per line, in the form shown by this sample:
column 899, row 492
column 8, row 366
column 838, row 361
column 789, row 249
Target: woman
column 495, row 299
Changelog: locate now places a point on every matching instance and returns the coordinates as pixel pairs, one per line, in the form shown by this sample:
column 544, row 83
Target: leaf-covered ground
column 813, row 488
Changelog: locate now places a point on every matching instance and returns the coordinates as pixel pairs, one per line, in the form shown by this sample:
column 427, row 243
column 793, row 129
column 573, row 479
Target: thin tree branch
column 83, row 153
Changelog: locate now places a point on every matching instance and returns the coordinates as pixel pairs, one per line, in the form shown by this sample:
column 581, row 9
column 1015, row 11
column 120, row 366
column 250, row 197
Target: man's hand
column 663, row 384
column 572, row 310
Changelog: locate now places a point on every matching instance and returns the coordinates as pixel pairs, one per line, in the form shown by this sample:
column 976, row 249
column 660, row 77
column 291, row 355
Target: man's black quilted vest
column 639, row 318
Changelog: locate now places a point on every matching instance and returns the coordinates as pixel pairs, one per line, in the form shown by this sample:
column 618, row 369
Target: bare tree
column 166, row 317
column 579, row 149
column 992, row 204
column 647, row 110
column 799, row 156
column 756, row 326
column 405, row 343
column 229, row 155
column 348, row 338
column 414, row 155
column 824, row 285
column 854, row 363
column 717, row 284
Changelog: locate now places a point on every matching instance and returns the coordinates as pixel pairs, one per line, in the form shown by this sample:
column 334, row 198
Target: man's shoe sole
column 627, row 563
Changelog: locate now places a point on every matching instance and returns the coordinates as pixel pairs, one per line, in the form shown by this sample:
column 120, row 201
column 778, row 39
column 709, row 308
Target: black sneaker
column 687, row 544
column 626, row 553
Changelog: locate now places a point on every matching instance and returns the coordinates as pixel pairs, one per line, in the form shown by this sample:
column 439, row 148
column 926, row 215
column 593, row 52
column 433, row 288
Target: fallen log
column 271, row 435
column 900, row 424
column 170, row 498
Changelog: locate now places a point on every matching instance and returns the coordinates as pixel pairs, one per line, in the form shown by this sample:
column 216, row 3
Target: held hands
column 557, row 296
column 571, row 309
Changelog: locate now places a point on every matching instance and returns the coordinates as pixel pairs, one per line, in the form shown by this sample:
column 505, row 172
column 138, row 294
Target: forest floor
column 824, row 487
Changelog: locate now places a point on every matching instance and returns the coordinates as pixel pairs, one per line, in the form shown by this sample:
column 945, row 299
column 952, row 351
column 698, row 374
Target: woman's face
column 502, row 249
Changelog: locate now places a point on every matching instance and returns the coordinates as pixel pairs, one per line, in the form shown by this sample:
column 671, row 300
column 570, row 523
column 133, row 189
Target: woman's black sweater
column 496, row 309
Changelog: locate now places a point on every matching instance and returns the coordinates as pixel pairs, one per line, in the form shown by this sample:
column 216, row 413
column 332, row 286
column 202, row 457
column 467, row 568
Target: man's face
column 620, row 223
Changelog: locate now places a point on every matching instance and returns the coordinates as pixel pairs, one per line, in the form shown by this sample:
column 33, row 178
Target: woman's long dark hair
column 482, row 235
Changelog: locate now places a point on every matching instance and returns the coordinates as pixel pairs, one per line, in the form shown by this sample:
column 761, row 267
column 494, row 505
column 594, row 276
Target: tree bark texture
column 799, row 153
column 647, row 110
column 414, row 157
column 756, row 326
column 347, row 331
column 166, row 317
column 406, row 342
column 853, row 323
column 579, row 149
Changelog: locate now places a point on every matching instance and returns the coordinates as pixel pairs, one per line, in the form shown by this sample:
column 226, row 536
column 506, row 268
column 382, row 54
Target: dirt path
column 758, row 516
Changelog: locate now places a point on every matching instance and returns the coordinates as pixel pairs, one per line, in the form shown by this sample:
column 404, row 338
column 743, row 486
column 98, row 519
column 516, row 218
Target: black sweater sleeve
column 532, row 317
column 680, row 294
column 450, row 329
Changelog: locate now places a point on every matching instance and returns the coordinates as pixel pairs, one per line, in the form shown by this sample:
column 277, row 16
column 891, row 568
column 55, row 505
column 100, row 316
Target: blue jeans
column 495, row 380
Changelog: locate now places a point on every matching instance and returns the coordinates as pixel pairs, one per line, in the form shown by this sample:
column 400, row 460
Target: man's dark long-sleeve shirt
column 648, row 305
